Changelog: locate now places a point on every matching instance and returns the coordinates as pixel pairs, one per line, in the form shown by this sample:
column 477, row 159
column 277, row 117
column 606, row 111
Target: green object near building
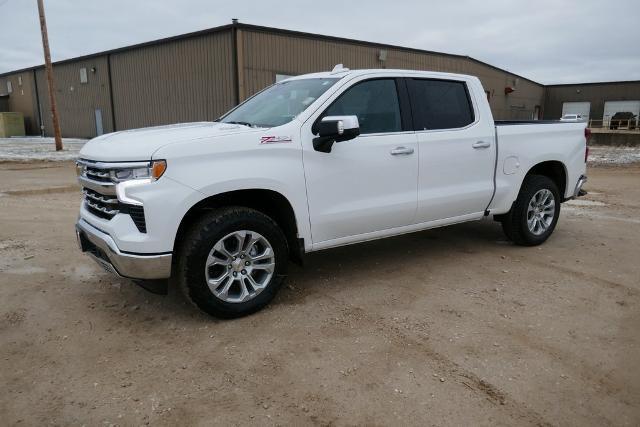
column 11, row 124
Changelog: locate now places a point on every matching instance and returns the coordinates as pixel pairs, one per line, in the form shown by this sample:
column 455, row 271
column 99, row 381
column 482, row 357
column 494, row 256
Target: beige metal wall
column 518, row 105
column 77, row 101
column 177, row 81
column 596, row 93
column 195, row 77
column 23, row 98
column 267, row 54
column 264, row 54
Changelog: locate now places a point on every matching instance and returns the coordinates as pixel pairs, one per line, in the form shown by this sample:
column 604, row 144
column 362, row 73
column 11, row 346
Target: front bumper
column 103, row 249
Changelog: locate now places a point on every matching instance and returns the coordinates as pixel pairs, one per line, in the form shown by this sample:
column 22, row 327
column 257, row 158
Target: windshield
column 280, row 103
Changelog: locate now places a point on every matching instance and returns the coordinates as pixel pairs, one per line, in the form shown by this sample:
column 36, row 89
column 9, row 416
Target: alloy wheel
column 541, row 211
column 240, row 266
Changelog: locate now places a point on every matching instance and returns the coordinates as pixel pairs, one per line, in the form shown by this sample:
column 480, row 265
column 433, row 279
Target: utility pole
column 49, row 71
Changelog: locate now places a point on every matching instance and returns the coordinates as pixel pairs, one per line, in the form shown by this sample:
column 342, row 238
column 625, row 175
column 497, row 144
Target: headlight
column 133, row 177
column 120, row 175
column 118, row 172
column 154, row 171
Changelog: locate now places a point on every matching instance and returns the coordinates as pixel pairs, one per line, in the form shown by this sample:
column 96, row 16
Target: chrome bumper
column 101, row 247
column 579, row 184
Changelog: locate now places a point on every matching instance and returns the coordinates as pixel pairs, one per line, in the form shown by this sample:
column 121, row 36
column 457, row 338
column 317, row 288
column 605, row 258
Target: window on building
column 9, row 86
column 440, row 104
column 375, row 102
column 83, row 75
column 19, row 80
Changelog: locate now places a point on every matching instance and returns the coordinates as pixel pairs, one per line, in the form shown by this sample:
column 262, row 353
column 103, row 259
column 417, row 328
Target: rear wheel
column 534, row 214
column 232, row 262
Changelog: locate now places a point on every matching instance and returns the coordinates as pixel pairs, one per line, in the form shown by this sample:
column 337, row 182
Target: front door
column 367, row 184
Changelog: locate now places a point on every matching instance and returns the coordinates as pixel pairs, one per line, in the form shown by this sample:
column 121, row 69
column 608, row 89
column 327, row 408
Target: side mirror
column 332, row 129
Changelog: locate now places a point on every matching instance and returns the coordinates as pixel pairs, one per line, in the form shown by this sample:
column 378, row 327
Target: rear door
column 456, row 149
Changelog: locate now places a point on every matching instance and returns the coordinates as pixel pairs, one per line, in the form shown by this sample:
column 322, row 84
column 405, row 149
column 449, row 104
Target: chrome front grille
column 101, row 205
column 107, row 206
column 99, row 190
column 98, row 174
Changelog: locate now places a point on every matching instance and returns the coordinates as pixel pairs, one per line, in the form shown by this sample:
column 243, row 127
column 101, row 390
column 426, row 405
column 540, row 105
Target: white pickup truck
column 314, row 162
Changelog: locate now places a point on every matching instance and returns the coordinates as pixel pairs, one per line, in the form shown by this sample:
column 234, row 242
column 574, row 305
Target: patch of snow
column 25, row 149
column 583, row 202
column 604, row 155
column 26, row 270
column 589, row 213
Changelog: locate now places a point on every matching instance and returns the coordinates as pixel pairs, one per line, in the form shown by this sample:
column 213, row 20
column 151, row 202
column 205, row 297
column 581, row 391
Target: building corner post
column 111, row 103
column 238, row 61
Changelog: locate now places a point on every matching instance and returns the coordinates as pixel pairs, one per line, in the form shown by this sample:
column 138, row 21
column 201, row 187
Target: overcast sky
column 554, row 41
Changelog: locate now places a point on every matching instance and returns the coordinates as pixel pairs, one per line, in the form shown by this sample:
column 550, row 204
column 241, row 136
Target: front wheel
column 534, row 214
column 232, row 262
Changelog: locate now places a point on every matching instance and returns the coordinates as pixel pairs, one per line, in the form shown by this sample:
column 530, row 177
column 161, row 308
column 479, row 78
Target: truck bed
column 522, row 144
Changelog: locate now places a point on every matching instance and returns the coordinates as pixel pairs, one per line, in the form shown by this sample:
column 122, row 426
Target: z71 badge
column 275, row 139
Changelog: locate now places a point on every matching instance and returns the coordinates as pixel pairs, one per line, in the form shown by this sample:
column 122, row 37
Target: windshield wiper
column 241, row 123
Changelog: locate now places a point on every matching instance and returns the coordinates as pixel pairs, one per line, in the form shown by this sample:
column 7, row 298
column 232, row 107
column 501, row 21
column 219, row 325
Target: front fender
column 236, row 163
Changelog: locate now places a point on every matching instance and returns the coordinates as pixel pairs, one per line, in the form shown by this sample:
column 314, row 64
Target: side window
column 375, row 102
column 440, row 104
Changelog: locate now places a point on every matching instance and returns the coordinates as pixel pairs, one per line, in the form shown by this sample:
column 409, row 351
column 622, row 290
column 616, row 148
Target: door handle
column 481, row 144
column 401, row 151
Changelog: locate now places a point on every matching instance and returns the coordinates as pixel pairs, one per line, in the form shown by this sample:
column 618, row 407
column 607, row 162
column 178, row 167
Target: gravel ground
column 453, row 326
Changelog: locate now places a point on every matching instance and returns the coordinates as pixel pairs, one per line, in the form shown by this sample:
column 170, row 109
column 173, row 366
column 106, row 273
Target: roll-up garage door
column 612, row 107
column 582, row 108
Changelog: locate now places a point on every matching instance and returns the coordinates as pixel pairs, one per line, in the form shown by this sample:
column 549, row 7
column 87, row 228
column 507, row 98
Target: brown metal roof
column 268, row 30
column 619, row 82
column 298, row 34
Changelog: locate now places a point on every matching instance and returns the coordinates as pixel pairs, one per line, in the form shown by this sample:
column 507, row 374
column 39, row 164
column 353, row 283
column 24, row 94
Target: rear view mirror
column 332, row 129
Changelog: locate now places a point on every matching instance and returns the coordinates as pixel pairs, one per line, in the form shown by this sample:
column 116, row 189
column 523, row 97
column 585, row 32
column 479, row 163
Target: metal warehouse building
column 198, row 76
column 597, row 102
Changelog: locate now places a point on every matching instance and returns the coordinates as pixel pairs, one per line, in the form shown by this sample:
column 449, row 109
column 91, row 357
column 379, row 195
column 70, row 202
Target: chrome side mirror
column 332, row 129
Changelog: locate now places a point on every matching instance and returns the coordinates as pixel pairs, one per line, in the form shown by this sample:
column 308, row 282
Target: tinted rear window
column 440, row 104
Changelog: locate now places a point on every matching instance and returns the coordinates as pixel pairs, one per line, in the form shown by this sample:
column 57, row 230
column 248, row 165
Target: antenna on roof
column 339, row 68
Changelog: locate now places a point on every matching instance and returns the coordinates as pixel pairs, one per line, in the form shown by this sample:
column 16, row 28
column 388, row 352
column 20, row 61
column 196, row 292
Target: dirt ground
column 453, row 326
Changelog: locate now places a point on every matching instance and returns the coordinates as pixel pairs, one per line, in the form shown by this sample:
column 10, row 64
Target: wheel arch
column 555, row 170
column 269, row 202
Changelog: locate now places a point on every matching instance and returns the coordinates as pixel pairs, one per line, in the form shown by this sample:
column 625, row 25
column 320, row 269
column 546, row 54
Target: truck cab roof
column 346, row 72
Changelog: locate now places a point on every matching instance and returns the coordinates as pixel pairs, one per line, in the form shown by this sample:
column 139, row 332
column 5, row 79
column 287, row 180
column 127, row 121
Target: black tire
column 514, row 222
column 200, row 239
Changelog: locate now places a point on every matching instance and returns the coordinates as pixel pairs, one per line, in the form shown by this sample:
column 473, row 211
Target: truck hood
column 140, row 144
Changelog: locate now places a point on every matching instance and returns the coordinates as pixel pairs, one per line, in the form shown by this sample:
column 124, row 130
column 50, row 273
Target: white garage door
column 612, row 107
column 582, row 108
